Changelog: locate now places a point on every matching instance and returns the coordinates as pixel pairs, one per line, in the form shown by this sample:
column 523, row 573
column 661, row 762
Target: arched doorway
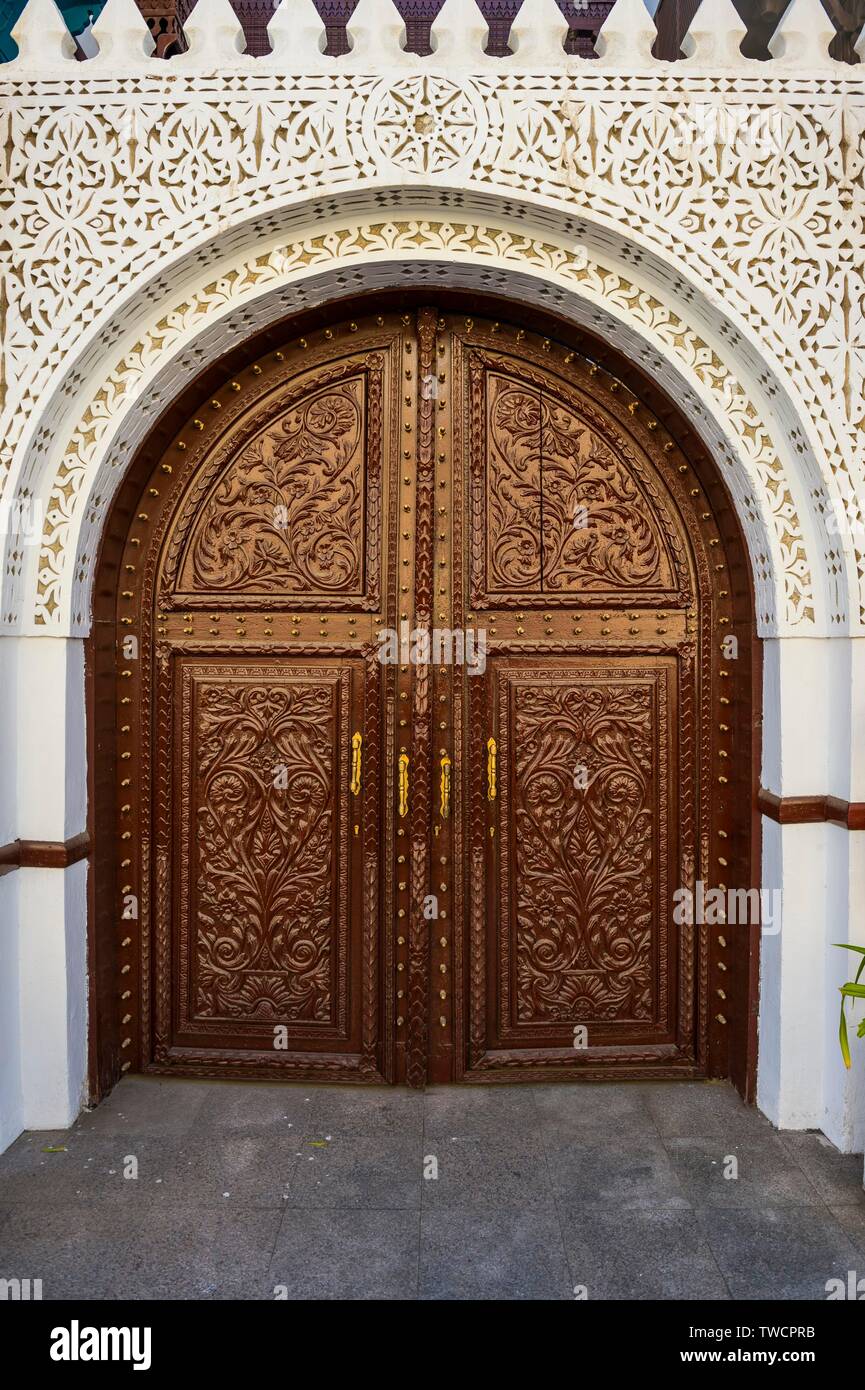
column 439, row 687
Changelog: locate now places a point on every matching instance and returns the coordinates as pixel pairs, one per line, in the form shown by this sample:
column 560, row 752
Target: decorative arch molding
column 597, row 276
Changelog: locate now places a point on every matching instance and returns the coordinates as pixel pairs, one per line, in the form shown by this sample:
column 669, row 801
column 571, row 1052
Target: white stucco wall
column 163, row 212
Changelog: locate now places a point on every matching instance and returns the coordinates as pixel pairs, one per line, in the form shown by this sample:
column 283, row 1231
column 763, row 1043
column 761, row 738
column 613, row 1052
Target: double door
column 421, row 672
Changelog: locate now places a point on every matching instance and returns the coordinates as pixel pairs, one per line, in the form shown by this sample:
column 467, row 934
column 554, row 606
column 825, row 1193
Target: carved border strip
column 421, row 787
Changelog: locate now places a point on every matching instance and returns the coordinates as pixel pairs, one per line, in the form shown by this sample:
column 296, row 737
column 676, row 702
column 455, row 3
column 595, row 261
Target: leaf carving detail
column 288, row 514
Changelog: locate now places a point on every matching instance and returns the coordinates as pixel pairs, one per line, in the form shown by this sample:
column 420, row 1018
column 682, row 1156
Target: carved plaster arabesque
column 750, row 434
column 110, row 181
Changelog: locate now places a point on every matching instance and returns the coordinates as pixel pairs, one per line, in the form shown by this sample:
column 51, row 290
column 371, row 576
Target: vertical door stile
column 421, row 747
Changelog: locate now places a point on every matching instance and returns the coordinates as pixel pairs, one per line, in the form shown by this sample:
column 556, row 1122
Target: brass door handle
column 356, row 744
column 492, row 757
column 402, row 763
column 445, row 803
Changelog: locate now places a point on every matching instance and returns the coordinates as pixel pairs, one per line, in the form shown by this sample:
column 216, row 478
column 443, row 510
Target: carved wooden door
column 413, row 739
column 261, row 566
column 594, row 782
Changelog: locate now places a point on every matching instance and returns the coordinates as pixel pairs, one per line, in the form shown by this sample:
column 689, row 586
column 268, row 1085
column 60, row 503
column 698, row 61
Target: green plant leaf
column 850, row 991
column 842, row 1038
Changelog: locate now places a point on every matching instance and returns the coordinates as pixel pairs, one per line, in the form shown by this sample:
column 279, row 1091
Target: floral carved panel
column 599, row 534
column 567, row 513
column 288, row 505
column 288, row 514
column 513, row 486
column 585, row 863
column 265, row 877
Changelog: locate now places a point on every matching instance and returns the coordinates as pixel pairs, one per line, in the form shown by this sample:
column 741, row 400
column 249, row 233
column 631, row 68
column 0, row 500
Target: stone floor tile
column 759, row 1171
column 484, row 1172
column 644, row 1250
column 836, row 1176
column 781, row 1252
column 472, row 1254
column 504, row 1112
column 361, row 1253
column 350, row 1170
column 599, row 1174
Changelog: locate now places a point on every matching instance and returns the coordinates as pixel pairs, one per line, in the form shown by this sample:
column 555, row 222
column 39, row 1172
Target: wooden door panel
column 580, row 867
column 265, row 935
column 287, row 516
column 590, row 556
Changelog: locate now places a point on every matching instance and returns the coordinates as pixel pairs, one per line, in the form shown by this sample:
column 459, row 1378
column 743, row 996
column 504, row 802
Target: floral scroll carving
column 288, row 514
column 618, row 547
column 566, row 513
column 264, row 768
column 584, row 890
column 513, row 486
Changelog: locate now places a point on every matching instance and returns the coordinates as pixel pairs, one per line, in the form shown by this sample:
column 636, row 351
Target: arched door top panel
column 285, row 504
column 571, row 504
